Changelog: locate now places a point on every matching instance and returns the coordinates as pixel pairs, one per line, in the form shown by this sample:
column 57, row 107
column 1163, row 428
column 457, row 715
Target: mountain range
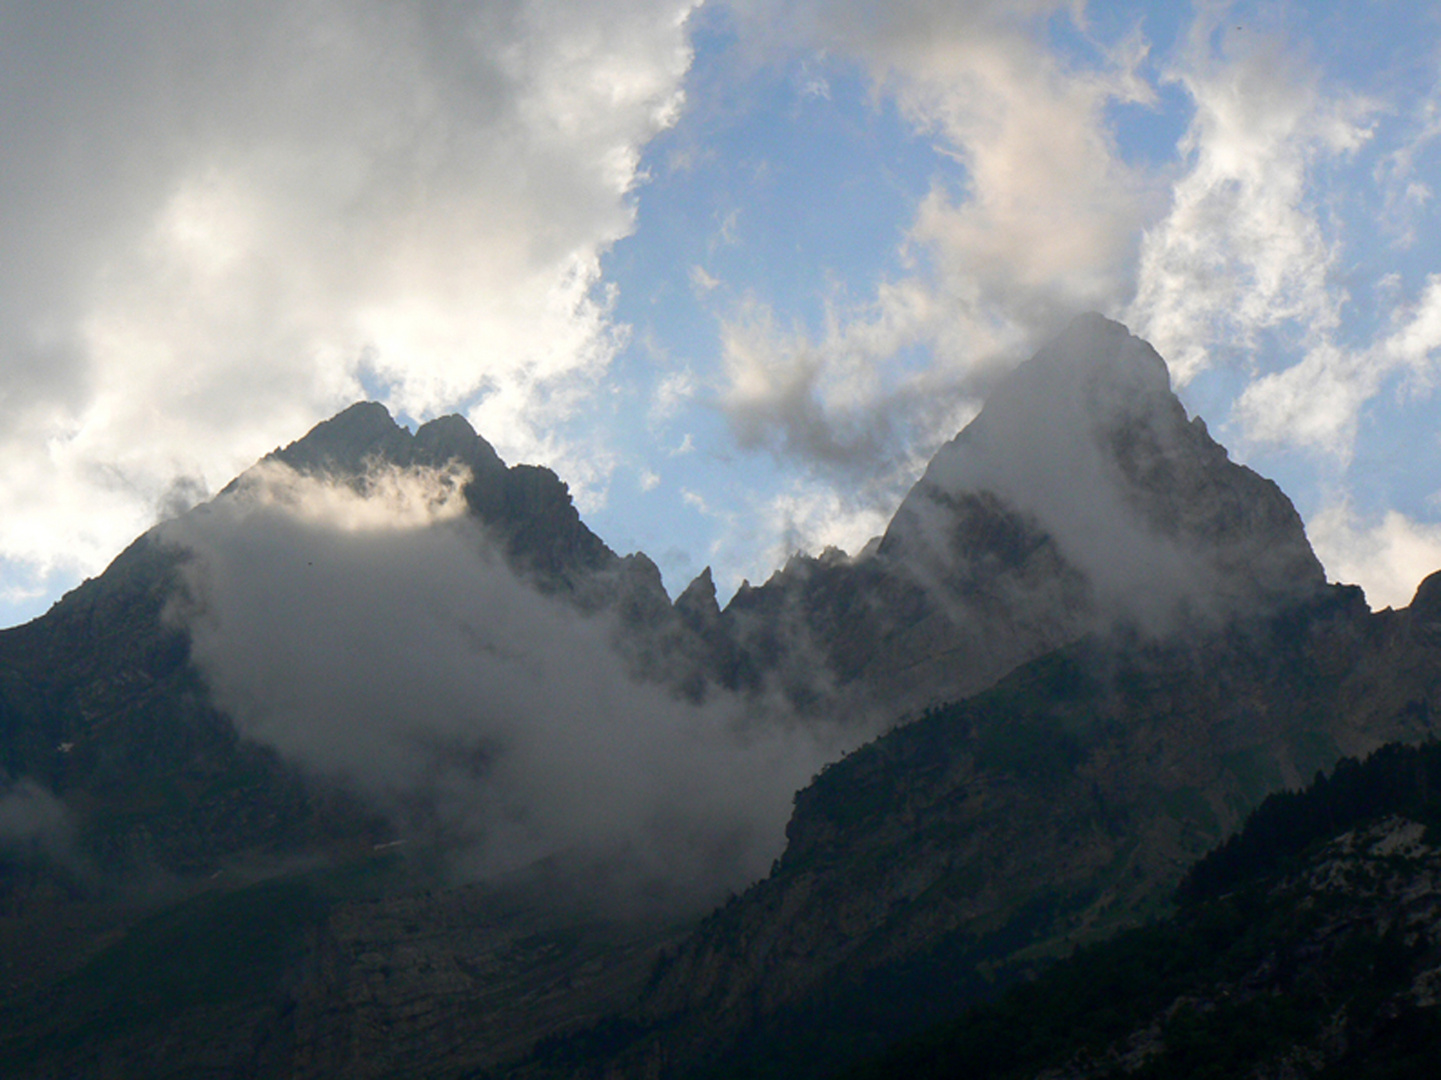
column 381, row 763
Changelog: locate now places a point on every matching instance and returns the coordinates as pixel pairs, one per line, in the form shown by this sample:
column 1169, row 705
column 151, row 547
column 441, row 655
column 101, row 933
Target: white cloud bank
column 217, row 220
column 373, row 637
column 1317, row 401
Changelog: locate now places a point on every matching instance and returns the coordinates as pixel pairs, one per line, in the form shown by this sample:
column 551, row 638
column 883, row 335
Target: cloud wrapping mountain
column 378, row 638
column 1088, row 441
column 441, row 634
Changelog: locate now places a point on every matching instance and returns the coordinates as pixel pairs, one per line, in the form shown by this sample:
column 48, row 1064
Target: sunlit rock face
column 1080, row 499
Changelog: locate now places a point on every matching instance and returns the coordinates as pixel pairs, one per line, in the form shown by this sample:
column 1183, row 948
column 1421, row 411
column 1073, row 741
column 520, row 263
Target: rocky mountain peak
column 526, row 508
column 1426, row 604
column 1086, row 448
column 697, row 603
column 354, row 440
column 342, row 444
column 451, row 437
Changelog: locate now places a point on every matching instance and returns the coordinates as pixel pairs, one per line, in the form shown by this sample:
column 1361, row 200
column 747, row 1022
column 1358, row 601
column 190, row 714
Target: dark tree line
column 1396, row 779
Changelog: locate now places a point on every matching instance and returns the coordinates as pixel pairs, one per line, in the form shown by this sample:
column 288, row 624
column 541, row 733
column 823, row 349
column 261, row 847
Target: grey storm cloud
column 376, row 640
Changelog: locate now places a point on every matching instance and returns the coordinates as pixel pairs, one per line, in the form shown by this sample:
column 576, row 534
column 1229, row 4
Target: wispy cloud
column 1317, row 401
column 1243, row 248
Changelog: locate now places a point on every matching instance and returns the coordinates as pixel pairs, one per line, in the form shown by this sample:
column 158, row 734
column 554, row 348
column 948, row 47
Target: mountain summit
column 1080, row 498
column 1087, row 445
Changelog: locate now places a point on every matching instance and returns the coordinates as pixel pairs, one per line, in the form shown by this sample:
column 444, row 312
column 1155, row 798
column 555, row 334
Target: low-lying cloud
column 34, row 819
column 374, row 637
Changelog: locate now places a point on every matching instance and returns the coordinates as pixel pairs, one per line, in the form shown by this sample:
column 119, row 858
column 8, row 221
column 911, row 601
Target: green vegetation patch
column 1032, row 747
column 216, row 949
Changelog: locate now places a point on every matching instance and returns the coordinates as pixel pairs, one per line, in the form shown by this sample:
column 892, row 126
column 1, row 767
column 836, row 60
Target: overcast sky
column 734, row 270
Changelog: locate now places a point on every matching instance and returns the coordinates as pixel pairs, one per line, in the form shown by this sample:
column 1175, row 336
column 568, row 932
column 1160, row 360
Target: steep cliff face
column 1080, row 499
column 1334, row 970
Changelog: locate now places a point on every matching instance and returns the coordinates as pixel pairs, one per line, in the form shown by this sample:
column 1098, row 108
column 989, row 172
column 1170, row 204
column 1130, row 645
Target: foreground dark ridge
column 1308, row 945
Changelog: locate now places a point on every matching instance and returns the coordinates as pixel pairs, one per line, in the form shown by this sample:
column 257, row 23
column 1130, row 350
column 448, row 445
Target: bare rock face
column 697, row 603
column 1080, row 499
column 1370, row 893
column 1087, row 442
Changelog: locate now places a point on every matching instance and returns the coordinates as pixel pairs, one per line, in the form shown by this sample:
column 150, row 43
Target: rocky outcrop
column 1351, row 959
column 1308, row 945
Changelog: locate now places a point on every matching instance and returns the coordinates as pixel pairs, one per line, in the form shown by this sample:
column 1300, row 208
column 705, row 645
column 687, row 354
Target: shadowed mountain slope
column 100, row 704
column 962, row 851
column 1308, row 945
column 175, row 896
